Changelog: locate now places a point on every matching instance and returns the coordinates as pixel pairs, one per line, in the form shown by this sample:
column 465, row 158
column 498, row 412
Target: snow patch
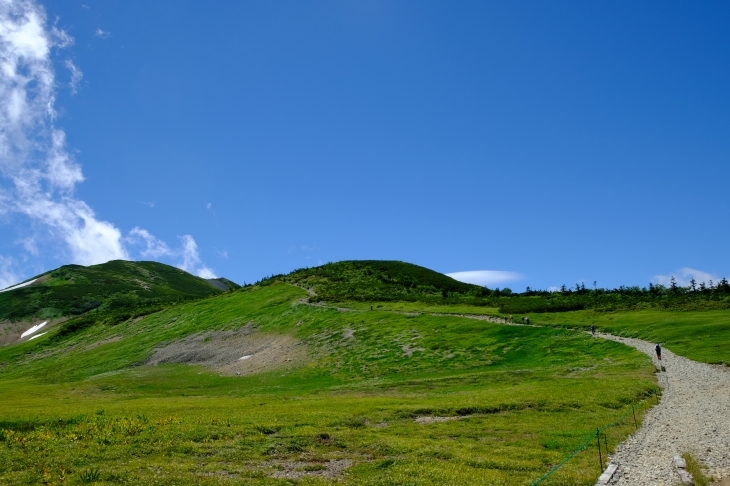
column 37, row 335
column 245, row 357
column 33, row 329
column 24, row 284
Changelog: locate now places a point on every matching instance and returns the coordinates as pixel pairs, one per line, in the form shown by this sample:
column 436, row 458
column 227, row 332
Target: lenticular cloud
column 39, row 175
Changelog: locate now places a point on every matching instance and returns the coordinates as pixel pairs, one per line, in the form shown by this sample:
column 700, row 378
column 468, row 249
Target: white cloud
column 208, row 206
column 8, row 276
column 33, row 155
column 102, row 34
column 154, row 247
column 684, row 275
column 191, row 259
column 486, row 278
column 38, row 174
column 76, row 76
column 187, row 254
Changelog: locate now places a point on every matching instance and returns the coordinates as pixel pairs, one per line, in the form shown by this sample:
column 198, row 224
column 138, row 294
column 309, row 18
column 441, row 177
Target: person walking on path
column 658, row 349
column 593, row 329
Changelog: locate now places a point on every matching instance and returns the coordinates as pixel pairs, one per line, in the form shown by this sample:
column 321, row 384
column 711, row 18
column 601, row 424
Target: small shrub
column 90, row 476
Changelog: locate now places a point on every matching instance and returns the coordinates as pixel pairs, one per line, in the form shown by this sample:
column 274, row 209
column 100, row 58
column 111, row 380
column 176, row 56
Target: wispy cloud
column 486, row 278
column 684, row 275
column 187, row 255
column 76, row 76
column 191, row 259
column 39, row 175
column 102, row 33
column 8, row 276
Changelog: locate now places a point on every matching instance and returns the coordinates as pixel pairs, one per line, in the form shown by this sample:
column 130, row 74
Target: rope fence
column 597, row 433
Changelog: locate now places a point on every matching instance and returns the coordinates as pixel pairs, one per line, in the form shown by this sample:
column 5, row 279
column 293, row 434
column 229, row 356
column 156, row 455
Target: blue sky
column 555, row 142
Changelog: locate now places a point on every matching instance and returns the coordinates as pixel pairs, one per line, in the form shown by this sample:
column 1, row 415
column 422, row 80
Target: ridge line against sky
column 42, row 174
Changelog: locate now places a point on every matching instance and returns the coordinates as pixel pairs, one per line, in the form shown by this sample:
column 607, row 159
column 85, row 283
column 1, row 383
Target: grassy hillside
column 379, row 280
column 692, row 322
column 73, row 289
column 702, row 336
column 497, row 404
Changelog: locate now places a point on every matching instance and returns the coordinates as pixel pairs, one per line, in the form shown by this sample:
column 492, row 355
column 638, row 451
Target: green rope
column 581, row 447
column 566, row 459
column 617, row 421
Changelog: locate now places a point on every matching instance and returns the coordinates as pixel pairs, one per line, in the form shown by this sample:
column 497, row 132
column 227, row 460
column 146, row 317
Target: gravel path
column 693, row 416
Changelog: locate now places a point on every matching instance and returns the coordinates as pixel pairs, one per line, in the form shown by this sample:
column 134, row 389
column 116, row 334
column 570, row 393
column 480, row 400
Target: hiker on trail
column 511, row 321
column 658, row 349
column 593, row 329
column 527, row 320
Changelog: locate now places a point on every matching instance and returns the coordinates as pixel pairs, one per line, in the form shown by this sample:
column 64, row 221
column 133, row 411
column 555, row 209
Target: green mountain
column 379, row 280
column 74, row 289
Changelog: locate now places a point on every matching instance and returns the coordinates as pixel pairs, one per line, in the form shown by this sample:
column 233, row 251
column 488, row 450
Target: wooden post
column 600, row 457
column 634, row 412
column 605, row 442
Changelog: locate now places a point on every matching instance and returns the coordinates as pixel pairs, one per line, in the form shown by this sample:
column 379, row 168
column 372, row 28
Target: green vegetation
column 389, row 281
column 392, row 385
column 380, row 280
column 504, row 403
column 702, row 336
column 74, row 289
column 694, row 468
column 693, row 298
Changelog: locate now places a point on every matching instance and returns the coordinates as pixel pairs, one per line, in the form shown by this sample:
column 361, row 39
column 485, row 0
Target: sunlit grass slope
column 702, row 336
column 83, row 407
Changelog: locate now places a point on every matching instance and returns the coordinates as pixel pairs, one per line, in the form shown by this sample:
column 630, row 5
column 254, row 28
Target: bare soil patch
column 300, row 469
column 10, row 332
column 428, row 419
column 234, row 352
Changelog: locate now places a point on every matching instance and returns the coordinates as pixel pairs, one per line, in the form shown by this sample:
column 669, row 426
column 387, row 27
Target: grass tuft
column 695, row 469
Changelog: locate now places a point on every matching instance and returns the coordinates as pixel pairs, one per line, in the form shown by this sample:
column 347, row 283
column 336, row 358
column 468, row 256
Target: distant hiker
column 371, row 307
column 522, row 320
column 511, row 320
column 593, row 329
column 658, row 349
column 527, row 320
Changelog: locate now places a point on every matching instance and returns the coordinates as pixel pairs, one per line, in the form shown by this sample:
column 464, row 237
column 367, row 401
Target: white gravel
column 693, row 416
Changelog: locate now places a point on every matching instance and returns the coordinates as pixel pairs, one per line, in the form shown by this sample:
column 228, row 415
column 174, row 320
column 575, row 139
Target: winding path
column 693, row 416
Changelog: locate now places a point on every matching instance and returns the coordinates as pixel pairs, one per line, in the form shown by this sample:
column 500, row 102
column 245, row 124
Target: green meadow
column 383, row 398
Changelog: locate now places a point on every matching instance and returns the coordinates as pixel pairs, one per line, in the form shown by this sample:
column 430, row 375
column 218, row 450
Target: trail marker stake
column 635, row 424
column 600, row 457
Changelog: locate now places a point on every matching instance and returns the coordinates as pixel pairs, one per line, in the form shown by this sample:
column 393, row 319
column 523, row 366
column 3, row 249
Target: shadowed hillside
column 74, row 289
